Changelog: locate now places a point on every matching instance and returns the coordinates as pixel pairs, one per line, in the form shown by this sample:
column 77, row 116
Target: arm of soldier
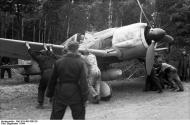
column 52, row 83
column 32, row 53
column 51, row 53
column 51, row 47
column 45, row 46
column 83, row 83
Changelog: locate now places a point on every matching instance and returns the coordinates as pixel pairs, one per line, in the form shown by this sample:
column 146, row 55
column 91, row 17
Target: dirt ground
column 18, row 101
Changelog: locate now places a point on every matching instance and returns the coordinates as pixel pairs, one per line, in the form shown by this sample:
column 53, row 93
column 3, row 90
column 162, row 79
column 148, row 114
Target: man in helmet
column 45, row 59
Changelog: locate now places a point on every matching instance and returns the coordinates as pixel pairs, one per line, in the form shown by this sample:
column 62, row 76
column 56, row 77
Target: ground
column 18, row 101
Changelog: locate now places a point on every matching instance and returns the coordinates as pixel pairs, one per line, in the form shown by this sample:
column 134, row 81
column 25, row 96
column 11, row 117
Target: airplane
column 134, row 41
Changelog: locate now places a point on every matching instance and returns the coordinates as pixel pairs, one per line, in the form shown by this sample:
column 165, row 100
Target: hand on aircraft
column 45, row 46
column 50, row 47
column 27, row 45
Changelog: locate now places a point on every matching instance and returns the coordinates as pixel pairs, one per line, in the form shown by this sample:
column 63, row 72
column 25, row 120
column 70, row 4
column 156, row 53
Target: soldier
column 45, row 59
column 168, row 75
column 94, row 77
column 183, row 65
column 5, row 61
column 68, row 85
column 153, row 80
column 172, row 77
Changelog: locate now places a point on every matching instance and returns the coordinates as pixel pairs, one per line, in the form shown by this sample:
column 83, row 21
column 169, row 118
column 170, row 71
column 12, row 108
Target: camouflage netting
column 130, row 69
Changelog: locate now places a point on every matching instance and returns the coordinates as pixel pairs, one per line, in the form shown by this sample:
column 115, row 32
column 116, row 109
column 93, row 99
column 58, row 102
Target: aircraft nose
column 157, row 34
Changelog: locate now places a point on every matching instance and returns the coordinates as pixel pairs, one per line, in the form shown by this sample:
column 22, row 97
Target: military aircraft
column 135, row 41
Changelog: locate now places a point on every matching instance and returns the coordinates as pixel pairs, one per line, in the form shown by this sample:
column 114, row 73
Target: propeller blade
column 150, row 58
column 155, row 45
column 161, row 49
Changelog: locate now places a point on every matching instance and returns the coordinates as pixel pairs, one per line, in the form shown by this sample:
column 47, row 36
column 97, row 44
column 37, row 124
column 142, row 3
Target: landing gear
column 105, row 91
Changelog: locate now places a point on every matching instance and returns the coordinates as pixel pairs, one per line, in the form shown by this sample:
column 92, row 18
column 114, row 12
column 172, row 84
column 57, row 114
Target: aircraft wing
column 15, row 66
column 17, row 49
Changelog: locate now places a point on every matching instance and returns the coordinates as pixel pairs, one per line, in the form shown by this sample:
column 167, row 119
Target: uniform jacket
column 68, row 83
column 45, row 59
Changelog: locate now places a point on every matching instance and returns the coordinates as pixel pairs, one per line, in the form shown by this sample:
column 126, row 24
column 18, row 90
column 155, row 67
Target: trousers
column 58, row 110
column 94, row 83
column 8, row 70
column 45, row 76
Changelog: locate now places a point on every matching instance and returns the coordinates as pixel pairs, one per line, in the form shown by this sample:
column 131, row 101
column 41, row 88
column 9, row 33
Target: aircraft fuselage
column 129, row 41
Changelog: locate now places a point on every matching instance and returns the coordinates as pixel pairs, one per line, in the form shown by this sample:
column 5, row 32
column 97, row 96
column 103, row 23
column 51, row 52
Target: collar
column 70, row 54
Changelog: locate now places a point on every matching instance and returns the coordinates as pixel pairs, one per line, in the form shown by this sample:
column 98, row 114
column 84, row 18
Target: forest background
column 53, row 21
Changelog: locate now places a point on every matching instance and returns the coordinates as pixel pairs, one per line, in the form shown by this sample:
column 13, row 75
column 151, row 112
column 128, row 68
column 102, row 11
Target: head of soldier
column 43, row 52
column 73, row 46
column 80, row 38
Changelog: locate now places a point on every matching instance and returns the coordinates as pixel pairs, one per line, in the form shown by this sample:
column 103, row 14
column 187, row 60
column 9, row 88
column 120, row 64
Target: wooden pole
column 22, row 28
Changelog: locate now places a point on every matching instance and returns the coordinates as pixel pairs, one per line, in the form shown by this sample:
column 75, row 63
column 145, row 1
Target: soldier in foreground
column 68, row 85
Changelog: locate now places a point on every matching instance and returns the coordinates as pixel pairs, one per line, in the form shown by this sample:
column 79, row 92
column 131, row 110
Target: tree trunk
column 39, row 39
column 34, row 33
column 45, row 28
column 22, row 28
column 110, row 15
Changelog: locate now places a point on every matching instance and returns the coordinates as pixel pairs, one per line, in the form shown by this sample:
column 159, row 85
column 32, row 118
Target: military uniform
column 172, row 76
column 45, row 60
column 5, row 61
column 94, row 77
column 155, row 77
column 68, row 86
column 183, row 67
column 153, row 80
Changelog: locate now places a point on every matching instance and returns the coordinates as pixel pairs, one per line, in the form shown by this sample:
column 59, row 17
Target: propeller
column 170, row 40
column 150, row 57
column 156, row 35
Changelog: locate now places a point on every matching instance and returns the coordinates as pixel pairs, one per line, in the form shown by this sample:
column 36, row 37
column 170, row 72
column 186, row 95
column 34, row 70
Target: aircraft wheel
column 105, row 91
